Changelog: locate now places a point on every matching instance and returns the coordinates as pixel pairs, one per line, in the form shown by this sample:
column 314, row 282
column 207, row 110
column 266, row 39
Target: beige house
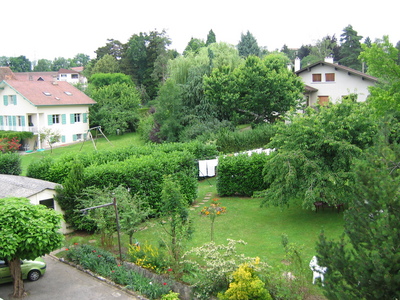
column 36, row 190
column 37, row 105
column 326, row 81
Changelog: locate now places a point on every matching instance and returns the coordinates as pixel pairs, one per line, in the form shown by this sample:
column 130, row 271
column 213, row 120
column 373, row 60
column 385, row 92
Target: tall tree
column 211, row 38
column 194, row 45
column 106, row 64
column 327, row 47
column 20, row 64
column 382, row 61
column 80, row 60
column 316, row 150
column 248, row 45
column 60, row 63
column 350, row 48
column 259, row 90
column 113, row 47
column 27, row 232
column 43, row 65
column 365, row 262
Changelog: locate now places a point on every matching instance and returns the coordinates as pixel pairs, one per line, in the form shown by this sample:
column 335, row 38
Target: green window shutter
column 74, row 137
column 85, row 117
column 63, row 138
column 50, row 119
column 23, row 121
column 9, row 121
column 1, row 121
column 64, row 119
column 72, row 118
column 5, row 99
column 14, row 120
column 14, row 99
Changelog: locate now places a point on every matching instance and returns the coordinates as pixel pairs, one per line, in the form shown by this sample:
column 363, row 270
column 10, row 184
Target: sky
column 49, row 29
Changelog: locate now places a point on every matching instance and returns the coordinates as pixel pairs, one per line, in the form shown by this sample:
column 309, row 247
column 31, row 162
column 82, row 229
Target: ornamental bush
column 104, row 264
column 10, row 163
column 241, row 175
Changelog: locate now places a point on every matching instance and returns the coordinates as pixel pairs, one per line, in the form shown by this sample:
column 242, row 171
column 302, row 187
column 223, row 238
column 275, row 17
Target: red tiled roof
column 34, row 76
column 67, row 71
column 34, row 91
column 6, row 74
column 77, row 69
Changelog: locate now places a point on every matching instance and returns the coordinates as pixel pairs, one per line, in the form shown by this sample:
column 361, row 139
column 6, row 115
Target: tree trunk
column 16, row 274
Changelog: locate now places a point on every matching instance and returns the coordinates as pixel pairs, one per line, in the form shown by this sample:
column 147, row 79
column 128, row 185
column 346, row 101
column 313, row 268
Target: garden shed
column 36, row 190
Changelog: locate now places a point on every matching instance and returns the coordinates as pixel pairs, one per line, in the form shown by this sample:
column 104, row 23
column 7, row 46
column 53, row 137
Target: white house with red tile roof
column 326, row 81
column 27, row 105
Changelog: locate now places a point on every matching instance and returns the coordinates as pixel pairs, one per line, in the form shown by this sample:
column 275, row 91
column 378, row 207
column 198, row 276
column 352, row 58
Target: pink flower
column 164, row 283
column 112, row 271
column 94, row 251
column 169, row 270
column 66, row 249
column 99, row 255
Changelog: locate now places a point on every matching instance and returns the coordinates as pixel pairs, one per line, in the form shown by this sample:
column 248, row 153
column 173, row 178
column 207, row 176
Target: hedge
column 241, row 175
column 144, row 174
column 16, row 134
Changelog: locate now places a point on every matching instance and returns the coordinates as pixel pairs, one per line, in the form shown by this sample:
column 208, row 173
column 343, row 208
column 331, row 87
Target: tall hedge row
column 56, row 170
column 236, row 141
column 241, row 175
column 144, row 174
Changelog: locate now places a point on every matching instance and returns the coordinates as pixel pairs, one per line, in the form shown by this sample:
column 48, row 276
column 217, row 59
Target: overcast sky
column 49, row 29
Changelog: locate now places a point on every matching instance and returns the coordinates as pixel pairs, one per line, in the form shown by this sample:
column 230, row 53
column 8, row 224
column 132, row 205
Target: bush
column 236, row 141
column 104, row 264
column 246, row 285
column 241, row 175
column 148, row 257
column 8, row 145
column 40, row 168
column 10, row 163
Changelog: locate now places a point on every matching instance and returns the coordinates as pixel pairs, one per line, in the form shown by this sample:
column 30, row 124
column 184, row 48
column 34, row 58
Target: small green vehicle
column 31, row 270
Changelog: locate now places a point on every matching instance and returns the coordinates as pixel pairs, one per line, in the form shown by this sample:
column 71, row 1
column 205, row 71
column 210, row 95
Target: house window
column 323, row 100
column 49, row 203
column 74, row 76
column 63, row 75
column 329, row 77
column 19, row 121
column 316, row 77
column 56, row 119
column 77, row 118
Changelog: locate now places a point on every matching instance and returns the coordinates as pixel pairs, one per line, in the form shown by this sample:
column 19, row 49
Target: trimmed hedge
column 10, row 163
column 241, row 175
column 144, row 174
column 16, row 134
column 236, row 141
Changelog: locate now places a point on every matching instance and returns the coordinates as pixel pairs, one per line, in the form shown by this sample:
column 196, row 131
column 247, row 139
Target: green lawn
column 260, row 227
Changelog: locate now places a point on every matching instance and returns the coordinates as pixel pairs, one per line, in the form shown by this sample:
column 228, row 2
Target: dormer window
column 47, row 93
column 68, row 93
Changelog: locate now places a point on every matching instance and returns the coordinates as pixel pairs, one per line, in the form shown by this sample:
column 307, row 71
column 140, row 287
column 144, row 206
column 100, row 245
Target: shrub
column 10, row 163
column 212, row 266
column 246, row 285
column 236, row 141
column 8, row 145
column 148, row 257
column 104, row 264
column 40, row 168
column 241, row 175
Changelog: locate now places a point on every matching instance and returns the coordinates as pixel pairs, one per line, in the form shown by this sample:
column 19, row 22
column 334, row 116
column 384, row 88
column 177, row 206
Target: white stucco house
column 32, row 105
column 36, row 190
column 326, row 82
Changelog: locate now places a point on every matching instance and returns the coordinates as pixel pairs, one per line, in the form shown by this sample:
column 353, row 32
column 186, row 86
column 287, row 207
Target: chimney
column 297, row 64
column 329, row 59
column 55, row 80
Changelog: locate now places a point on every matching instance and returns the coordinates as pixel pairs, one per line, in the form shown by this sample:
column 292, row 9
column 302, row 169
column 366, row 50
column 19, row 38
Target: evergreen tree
column 211, row 38
column 365, row 262
column 350, row 48
column 248, row 45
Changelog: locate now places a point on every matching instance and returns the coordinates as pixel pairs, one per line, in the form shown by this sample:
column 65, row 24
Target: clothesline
column 207, row 167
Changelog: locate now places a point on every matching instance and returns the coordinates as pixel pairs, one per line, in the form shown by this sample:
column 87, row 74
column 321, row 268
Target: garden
column 281, row 240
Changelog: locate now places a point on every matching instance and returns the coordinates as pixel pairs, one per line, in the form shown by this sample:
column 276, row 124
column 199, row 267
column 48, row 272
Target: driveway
column 62, row 281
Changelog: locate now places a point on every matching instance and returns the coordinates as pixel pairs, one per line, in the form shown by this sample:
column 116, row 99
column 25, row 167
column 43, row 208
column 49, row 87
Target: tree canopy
column 248, row 45
column 27, row 232
column 315, row 152
column 350, row 48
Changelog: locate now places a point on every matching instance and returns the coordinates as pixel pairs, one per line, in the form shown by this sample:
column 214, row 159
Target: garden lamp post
column 114, row 203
